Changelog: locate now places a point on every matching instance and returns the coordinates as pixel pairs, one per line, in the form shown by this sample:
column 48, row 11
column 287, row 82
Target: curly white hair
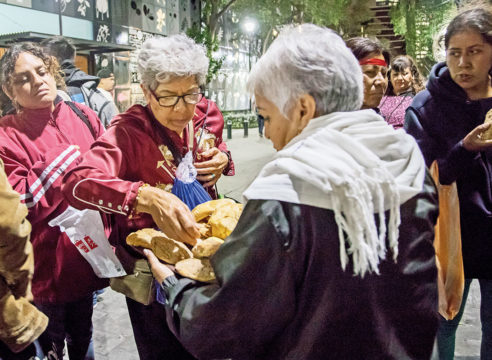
column 309, row 59
column 162, row 59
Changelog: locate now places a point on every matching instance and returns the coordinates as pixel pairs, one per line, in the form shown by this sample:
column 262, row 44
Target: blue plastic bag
column 186, row 187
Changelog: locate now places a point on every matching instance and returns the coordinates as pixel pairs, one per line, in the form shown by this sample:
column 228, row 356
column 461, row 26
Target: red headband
column 373, row 61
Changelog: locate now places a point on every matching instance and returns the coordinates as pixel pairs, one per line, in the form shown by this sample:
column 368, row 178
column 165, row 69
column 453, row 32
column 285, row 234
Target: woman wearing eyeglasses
column 130, row 170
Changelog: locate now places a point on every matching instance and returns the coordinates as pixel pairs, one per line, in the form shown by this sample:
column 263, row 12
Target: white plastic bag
column 86, row 231
column 186, row 171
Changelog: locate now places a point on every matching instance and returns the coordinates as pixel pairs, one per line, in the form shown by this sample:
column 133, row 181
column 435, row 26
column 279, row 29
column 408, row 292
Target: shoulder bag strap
column 82, row 117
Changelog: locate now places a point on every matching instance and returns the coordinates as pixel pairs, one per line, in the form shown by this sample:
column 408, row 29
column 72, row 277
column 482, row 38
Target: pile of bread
column 216, row 218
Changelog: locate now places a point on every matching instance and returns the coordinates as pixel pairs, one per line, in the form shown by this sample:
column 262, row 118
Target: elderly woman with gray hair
column 130, row 170
column 332, row 257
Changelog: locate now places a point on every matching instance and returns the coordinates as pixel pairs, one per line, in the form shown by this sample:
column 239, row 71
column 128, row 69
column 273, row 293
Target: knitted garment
column 393, row 109
column 355, row 164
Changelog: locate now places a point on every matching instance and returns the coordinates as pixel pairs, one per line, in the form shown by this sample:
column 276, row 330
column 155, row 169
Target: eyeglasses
column 172, row 100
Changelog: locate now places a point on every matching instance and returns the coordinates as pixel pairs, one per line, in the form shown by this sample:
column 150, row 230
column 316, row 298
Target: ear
column 147, row 93
column 303, row 111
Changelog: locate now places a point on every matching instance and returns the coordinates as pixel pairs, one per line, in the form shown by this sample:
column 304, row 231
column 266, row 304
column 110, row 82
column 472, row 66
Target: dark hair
column 104, row 73
column 7, row 65
column 59, row 47
column 362, row 47
column 399, row 64
column 477, row 19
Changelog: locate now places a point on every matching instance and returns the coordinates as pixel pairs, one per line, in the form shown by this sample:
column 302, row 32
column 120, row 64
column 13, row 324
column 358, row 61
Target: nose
column 37, row 79
column 463, row 61
column 180, row 105
column 380, row 78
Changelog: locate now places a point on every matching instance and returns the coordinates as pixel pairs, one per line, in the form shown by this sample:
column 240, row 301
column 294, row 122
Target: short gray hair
column 164, row 58
column 309, row 59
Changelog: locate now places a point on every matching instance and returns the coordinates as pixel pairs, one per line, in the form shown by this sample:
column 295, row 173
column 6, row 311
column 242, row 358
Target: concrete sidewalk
column 113, row 335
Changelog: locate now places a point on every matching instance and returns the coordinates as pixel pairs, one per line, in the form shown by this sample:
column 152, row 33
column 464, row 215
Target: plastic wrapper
column 85, row 230
column 186, row 187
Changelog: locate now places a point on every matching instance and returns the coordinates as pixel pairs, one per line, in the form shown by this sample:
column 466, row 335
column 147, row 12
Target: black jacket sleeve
column 254, row 297
column 452, row 163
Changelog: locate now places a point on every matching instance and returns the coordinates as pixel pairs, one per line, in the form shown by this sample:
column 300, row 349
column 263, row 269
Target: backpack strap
column 82, row 117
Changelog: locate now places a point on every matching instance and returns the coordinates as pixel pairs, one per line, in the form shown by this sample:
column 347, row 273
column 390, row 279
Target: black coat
column 282, row 294
column 439, row 118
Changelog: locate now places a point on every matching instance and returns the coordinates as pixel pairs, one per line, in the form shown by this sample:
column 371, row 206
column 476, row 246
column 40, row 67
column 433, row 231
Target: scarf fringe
column 353, row 205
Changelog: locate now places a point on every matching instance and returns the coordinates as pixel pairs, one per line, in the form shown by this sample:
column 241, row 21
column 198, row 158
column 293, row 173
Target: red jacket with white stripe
column 131, row 152
column 38, row 147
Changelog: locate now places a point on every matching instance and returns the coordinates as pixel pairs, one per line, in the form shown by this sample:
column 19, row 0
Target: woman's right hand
column 169, row 213
column 474, row 141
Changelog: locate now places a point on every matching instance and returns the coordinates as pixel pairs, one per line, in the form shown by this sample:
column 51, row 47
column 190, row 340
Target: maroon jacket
column 135, row 150
column 38, row 147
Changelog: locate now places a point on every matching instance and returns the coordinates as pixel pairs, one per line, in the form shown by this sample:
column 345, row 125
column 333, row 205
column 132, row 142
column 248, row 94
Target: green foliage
column 237, row 118
column 204, row 36
column 344, row 16
column 420, row 22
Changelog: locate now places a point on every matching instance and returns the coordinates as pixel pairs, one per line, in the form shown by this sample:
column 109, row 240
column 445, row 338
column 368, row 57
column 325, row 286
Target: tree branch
column 226, row 7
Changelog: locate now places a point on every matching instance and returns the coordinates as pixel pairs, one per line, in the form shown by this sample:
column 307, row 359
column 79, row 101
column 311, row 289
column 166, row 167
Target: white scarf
column 355, row 164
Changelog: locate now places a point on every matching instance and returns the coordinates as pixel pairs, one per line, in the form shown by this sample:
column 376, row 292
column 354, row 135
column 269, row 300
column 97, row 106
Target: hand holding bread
column 218, row 217
column 480, row 138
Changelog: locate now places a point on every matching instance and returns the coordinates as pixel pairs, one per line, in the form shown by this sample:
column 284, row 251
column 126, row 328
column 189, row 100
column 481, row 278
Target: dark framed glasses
column 172, row 100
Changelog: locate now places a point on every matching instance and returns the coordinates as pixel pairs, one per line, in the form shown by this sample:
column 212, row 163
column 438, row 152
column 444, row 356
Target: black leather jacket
column 282, row 294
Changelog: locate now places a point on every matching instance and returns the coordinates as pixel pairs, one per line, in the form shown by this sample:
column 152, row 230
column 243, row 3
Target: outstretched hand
column 169, row 213
column 160, row 270
column 475, row 141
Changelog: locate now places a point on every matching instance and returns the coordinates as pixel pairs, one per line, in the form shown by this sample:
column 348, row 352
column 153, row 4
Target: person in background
column 20, row 321
column 447, row 119
column 130, row 170
column 332, row 257
column 106, row 82
column 81, row 88
column 39, row 143
column 106, row 87
column 373, row 59
column 405, row 82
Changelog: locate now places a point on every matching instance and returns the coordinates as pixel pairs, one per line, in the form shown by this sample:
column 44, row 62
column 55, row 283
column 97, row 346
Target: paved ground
column 112, row 330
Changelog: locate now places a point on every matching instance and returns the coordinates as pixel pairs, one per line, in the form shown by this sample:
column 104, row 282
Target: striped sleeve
column 39, row 185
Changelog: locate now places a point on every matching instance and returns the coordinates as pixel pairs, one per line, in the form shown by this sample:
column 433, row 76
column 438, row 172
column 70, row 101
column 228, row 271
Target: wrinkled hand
column 169, row 213
column 474, row 142
column 211, row 170
column 160, row 270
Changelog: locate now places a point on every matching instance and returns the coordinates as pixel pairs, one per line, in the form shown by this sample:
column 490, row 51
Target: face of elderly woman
column 33, row 87
column 375, row 82
column 175, row 117
column 279, row 129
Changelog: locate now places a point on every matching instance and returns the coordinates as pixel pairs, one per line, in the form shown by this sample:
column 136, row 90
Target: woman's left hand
column 211, row 170
column 160, row 270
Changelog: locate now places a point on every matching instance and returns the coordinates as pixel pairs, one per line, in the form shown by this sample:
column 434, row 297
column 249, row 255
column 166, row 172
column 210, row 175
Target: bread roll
column 165, row 248
column 487, row 134
column 207, row 247
column 203, row 211
column 142, row 237
column 196, row 269
column 205, row 230
column 224, row 219
column 169, row 250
